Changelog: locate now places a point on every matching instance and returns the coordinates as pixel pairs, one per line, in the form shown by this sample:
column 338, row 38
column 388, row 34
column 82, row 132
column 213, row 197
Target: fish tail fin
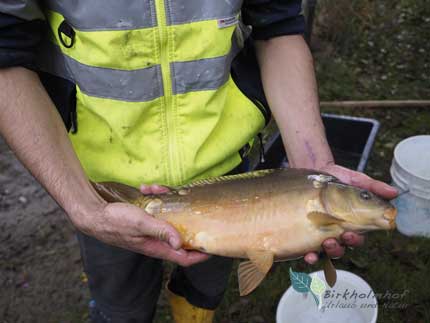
column 115, row 192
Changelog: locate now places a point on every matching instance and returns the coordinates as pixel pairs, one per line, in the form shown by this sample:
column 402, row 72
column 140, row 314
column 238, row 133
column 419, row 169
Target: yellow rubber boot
column 184, row 312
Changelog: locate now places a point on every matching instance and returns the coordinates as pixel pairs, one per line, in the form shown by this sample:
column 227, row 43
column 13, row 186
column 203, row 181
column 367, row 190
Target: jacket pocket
column 246, row 75
column 63, row 94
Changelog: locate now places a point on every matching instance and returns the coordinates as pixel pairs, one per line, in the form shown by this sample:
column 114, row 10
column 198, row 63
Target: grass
column 379, row 49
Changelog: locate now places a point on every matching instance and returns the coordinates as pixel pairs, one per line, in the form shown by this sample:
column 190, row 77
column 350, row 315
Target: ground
column 364, row 50
column 40, row 265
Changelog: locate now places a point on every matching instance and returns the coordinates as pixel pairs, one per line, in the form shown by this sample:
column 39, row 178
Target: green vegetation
column 373, row 49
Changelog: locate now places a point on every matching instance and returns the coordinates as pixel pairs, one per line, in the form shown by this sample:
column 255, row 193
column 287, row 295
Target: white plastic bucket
column 350, row 300
column 410, row 171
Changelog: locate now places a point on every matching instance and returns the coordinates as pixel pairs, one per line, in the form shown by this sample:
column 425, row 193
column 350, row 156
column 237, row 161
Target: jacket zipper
column 169, row 112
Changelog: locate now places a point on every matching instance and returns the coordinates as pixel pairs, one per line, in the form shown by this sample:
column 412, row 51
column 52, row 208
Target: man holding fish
column 147, row 91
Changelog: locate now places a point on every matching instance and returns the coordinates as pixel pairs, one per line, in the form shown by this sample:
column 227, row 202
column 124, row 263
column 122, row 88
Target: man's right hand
column 129, row 227
column 32, row 127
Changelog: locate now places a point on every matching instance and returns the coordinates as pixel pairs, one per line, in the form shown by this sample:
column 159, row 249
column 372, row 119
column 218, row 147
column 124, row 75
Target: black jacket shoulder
column 271, row 18
column 19, row 39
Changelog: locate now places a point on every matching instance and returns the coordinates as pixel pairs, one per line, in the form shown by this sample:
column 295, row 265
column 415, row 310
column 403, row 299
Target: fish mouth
column 390, row 215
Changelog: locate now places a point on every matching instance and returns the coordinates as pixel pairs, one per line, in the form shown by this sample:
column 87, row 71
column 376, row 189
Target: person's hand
column 129, row 227
column 332, row 247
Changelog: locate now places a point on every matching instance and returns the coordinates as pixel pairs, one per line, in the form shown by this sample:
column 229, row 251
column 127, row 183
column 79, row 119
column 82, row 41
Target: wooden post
column 377, row 104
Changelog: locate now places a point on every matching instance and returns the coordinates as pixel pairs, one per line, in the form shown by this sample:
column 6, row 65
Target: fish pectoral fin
column 323, row 219
column 329, row 271
column 249, row 277
column 251, row 273
column 262, row 259
column 115, row 192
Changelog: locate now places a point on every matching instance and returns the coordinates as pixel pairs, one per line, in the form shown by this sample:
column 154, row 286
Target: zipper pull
column 260, row 137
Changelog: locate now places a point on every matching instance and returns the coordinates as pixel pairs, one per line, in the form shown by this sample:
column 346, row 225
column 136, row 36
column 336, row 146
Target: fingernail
column 174, row 243
column 181, row 252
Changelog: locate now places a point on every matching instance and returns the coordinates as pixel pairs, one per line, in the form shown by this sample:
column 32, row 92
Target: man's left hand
column 333, row 247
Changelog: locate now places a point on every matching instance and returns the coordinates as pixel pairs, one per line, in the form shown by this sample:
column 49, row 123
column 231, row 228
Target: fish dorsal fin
column 321, row 219
column 228, row 178
column 251, row 273
column 115, row 192
column 329, row 271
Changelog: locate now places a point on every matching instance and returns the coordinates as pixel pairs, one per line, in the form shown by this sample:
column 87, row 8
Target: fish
column 264, row 216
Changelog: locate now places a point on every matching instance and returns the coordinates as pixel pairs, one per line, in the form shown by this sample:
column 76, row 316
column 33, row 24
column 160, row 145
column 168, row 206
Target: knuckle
column 161, row 233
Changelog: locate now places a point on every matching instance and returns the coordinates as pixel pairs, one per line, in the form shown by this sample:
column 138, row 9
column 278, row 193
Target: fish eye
column 365, row 195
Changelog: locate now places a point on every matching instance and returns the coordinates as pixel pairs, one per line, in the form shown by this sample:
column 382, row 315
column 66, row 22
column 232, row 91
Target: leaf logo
column 318, row 287
column 303, row 283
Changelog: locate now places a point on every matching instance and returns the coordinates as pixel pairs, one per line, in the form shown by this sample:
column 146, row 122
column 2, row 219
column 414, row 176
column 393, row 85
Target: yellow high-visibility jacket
column 155, row 99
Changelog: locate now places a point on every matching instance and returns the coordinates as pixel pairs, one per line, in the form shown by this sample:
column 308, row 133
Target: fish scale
column 263, row 216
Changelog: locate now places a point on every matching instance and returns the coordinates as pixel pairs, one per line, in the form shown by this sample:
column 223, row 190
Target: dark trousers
column 125, row 286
